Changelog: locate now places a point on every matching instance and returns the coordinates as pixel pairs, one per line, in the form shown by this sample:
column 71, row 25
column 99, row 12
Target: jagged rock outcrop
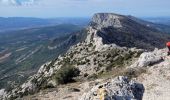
column 104, row 20
column 119, row 88
column 2, row 94
column 150, row 58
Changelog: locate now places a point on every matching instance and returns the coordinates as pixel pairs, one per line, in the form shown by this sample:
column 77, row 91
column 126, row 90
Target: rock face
column 119, row 88
column 150, row 58
column 104, row 20
column 2, row 93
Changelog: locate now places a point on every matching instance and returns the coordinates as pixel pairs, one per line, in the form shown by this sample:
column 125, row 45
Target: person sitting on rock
column 168, row 45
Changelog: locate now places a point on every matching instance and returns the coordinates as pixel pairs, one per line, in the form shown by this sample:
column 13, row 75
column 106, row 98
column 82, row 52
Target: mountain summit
column 125, row 31
column 103, row 20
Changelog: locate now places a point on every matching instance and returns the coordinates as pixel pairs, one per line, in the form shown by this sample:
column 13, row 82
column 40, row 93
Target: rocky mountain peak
column 123, row 31
column 101, row 20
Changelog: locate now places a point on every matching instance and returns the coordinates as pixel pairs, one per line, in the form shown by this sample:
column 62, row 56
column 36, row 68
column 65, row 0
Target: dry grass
column 129, row 72
column 151, row 86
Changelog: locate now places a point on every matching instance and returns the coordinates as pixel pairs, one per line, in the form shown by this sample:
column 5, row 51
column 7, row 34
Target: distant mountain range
column 161, row 24
column 159, row 20
column 14, row 23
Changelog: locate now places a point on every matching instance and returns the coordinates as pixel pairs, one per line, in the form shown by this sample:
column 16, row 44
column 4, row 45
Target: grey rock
column 150, row 58
column 119, row 88
column 101, row 20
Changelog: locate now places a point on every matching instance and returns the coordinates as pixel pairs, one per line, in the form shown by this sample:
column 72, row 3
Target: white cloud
column 17, row 2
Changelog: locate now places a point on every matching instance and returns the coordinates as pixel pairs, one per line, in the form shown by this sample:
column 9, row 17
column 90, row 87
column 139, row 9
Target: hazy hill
column 149, row 22
column 14, row 23
column 159, row 20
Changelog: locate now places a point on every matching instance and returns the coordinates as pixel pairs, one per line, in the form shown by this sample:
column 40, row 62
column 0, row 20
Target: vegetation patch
column 133, row 73
column 66, row 74
column 92, row 77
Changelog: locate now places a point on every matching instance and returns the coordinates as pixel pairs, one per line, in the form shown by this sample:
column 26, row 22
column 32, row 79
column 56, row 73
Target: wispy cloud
column 18, row 2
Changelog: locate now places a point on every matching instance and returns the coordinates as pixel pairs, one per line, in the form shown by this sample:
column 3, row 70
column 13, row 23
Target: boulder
column 2, row 94
column 119, row 88
column 150, row 58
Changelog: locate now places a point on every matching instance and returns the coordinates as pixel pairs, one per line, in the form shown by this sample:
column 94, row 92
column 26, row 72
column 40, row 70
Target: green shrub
column 87, row 60
column 108, row 56
column 116, row 63
column 94, row 60
column 9, row 88
column 66, row 74
column 128, row 56
column 90, row 44
column 92, row 77
column 81, row 62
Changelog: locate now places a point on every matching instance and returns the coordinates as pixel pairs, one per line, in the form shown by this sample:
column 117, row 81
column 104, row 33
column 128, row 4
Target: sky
column 83, row 8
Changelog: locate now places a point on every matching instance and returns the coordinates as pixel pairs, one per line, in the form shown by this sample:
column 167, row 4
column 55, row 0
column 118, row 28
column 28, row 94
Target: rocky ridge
column 89, row 60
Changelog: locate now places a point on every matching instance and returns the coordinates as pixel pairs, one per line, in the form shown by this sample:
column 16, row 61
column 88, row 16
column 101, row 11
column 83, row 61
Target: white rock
column 107, row 19
column 2, row 94
column 150, row 58
column 119, row 88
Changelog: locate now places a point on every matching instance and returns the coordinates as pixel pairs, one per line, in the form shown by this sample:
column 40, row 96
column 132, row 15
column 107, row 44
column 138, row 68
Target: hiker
column 168, row 45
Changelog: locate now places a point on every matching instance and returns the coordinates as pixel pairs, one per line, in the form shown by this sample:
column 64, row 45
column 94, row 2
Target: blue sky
column 83, row 8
